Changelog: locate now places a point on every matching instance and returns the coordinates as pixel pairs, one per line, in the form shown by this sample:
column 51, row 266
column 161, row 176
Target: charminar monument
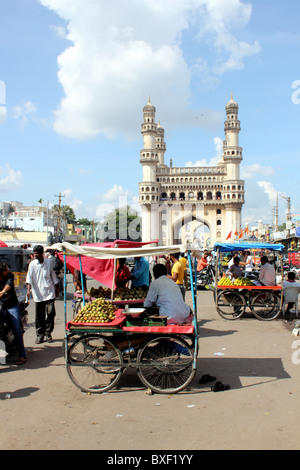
column 190, row 203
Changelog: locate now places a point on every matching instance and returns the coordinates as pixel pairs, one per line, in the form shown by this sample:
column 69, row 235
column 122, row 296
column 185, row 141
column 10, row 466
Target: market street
column 42, row 409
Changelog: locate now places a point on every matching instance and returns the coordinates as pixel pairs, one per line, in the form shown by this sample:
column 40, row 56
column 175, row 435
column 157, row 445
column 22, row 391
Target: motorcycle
column 204, row 278
column 253, row 276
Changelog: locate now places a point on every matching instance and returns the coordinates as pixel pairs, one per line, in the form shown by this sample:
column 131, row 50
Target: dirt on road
column 41, row 409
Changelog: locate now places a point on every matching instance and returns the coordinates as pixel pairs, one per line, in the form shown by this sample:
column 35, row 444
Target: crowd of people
column 244, row 261
column 42, row 282
column 164, row 280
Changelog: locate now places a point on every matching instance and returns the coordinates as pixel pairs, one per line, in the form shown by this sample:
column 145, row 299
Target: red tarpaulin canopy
column 2, row 244
column 101, row 270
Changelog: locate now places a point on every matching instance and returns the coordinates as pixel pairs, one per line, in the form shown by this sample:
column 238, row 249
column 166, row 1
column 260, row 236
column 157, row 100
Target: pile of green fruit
column 225, row 281
column 243, row 281
column 123, row 293
column 120, row 293
column 100, row 291
column 97, row 311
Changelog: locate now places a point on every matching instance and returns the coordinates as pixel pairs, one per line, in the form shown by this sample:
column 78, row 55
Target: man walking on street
column 177, row 273
column 42, row 279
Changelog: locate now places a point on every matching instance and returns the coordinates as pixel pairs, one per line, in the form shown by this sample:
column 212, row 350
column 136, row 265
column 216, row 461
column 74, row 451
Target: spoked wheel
column 94, row 364
column 265, row 305
column 230, row 305
column 166, row 364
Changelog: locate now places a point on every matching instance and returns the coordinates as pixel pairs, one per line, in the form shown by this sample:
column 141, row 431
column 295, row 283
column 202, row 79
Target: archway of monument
column 191, row 228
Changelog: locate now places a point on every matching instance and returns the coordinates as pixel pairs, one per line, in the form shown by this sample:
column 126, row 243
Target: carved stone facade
column 177, row 202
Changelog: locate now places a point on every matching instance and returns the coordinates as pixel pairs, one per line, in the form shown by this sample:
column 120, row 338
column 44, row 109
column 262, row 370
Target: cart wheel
column 230, row 305
column 166, row 364
column 94, row 364
column 265, row 305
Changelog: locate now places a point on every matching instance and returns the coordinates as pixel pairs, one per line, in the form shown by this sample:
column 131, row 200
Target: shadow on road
column 20, row 393
column 231, row 370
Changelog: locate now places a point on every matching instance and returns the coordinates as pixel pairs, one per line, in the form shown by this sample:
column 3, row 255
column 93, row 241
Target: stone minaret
column 233, row 186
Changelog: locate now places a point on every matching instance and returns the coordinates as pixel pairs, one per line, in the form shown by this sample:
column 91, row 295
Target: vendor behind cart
column 234, row 270
column 267, row 274
column 141, row 273
column 248, row 263
column 122, row 273
column 165, row 294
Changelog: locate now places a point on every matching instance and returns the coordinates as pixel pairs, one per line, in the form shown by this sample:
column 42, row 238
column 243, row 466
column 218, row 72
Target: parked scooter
column 205, row 277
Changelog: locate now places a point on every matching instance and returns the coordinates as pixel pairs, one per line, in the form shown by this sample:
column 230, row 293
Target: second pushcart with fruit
column 233, row 299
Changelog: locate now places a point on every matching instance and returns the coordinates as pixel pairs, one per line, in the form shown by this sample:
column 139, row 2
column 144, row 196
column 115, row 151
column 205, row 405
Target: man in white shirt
column 234, row 270
column 290, row 283
column 42, row 279
column 267, row 275
column 248, row 264
column 165, row 294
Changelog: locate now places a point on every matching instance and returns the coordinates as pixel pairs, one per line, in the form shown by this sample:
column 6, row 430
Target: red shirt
column 202, row 263
column 122, row 275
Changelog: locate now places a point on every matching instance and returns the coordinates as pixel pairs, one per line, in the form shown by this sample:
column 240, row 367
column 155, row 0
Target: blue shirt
column 141, row 273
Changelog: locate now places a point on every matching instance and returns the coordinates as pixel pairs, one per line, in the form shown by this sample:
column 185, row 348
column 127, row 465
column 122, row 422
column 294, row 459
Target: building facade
column 188, row 203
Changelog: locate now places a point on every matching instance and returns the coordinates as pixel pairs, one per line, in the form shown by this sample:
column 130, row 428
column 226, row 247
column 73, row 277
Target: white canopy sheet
column 114, row 253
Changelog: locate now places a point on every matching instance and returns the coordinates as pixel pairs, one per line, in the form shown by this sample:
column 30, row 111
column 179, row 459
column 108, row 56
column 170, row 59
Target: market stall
column 99, row 269
column 234, row 298
column 103, row 340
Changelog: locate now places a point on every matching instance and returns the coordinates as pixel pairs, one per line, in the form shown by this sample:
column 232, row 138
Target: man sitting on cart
column 267, row 274
column 234, row 270
column 165, row 294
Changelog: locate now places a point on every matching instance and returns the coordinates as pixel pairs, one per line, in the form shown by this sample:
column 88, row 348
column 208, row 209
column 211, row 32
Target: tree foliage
column 84, row 221
column 123, row 224
column 66, row 212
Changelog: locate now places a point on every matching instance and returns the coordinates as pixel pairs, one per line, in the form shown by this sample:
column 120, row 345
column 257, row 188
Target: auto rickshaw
column 17, row 262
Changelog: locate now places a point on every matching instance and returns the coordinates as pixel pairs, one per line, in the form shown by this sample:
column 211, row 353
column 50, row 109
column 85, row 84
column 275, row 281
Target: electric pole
column 58, row 227
column 276, row 214
column 288, row 214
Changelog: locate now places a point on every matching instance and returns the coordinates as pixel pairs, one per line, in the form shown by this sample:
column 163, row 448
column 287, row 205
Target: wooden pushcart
column 265, row 302
column 97, row 354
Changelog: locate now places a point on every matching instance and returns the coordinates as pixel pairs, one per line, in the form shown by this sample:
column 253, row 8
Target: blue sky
column 75, row 75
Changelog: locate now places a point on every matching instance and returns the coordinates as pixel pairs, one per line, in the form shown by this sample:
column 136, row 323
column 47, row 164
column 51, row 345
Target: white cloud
column 115, row 193
column 68, row 200
column 23, row 111
column 213, row 161
column 220, row 23
column 116, row 197
column 10, row 179
column 3, row 114
column 269, row 189
column 250, row 171
column 123, row 50
column 59, row 31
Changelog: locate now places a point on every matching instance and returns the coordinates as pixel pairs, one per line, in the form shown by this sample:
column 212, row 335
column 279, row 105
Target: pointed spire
column 231, row 102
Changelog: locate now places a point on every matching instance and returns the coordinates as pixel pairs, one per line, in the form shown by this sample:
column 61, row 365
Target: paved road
column 42, row 409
